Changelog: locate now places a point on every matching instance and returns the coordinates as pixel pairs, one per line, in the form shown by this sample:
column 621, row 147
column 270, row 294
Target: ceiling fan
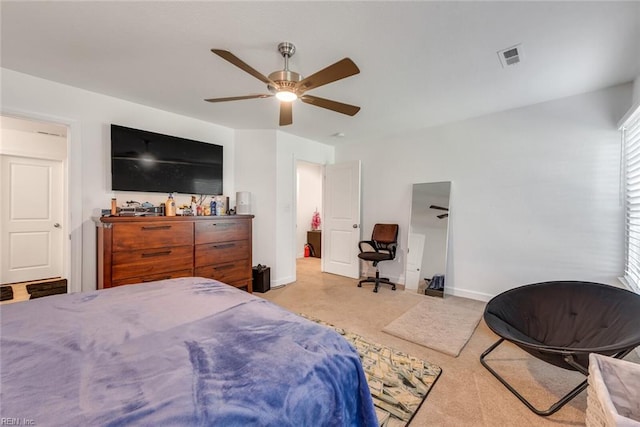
column 441, row 216
column 287, row 85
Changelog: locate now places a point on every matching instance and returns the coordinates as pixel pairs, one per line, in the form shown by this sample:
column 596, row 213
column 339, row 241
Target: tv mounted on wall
column 152, row 162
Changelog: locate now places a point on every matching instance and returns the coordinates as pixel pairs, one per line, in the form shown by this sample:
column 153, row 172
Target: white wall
column 636, row 91
column 291, row 149
column 90, row 115
column 309, row 199
column 265, row 165
column 256, row 172
column 534, row 192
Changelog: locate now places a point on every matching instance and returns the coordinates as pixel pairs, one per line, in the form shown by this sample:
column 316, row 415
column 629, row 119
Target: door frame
column 294, row 224
column 72, row 194
column 322, row 212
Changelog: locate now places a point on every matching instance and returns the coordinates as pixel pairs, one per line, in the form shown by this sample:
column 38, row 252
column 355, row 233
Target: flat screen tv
column 152, row 162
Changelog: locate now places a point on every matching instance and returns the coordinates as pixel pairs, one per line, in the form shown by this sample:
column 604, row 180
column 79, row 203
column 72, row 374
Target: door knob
column 355, row 225
column 56, row 225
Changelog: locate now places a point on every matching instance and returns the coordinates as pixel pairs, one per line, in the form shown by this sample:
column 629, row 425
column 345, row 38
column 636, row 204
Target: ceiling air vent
column 511, row 55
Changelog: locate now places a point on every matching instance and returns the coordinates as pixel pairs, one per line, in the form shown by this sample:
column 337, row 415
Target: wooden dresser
column 144, row 249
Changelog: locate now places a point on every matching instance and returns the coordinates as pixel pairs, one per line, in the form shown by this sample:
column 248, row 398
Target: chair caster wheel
column 375, row 290
column 359, row 285
column 393, row 289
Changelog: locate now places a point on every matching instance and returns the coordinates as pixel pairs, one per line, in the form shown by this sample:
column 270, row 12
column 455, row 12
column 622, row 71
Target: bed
column 188, row 351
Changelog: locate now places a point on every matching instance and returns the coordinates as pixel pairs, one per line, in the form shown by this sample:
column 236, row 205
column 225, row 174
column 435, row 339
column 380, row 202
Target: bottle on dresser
column 194, row 206
column 170, row 206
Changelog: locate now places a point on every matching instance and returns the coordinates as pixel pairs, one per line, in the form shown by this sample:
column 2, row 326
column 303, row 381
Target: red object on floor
column 307, row 252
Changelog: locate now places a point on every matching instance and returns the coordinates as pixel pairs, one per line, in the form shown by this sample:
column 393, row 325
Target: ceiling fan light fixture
column 286, row 96
column 287, row 85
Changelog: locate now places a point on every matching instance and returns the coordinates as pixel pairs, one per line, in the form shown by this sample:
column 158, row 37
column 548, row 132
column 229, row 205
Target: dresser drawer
column 227, row 273
column 151, row 234
column 142, row 263
column 222, row 231
column 153, row 277
column 219, row 253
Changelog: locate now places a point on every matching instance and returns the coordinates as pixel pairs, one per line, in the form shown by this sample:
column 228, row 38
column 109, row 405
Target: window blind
column 631, row 155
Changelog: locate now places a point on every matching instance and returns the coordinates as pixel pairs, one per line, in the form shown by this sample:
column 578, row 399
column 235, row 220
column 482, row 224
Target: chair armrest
column 392, row 249
column 367, row 242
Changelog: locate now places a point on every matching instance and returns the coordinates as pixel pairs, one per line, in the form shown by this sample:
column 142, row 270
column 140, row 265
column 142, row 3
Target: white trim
column 282, row 282
column 296, row 160
column 466, row 293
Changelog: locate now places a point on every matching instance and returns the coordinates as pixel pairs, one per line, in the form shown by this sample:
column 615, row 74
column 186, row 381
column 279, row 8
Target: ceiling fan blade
column 225, row 54
column 339, row 70
column 349, row 110
column 438, row 207
column 238, row 98
column 443, row 216
column 286, row 113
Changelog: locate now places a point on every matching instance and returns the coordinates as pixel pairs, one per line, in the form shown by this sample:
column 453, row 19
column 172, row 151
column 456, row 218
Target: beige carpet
column 466, row 394
column 444, row 325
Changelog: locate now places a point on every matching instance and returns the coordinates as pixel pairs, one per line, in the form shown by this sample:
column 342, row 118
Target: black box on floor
column 261, row 278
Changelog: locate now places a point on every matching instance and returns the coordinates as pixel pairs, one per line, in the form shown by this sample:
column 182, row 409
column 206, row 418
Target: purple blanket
column 177, row 352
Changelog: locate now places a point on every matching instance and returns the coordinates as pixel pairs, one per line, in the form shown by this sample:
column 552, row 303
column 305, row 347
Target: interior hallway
column 466, row 394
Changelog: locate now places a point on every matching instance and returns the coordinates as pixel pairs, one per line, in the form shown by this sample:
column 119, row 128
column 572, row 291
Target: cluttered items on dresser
column 198, row 206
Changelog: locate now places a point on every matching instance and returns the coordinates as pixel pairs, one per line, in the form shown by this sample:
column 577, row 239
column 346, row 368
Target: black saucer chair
column 384, row 242
column 561, row 323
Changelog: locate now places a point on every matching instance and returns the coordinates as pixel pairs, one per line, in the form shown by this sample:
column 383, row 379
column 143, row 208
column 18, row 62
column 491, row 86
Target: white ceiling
column 422, row 63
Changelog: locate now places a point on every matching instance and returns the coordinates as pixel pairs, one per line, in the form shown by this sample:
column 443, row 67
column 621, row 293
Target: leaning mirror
column 427, row 240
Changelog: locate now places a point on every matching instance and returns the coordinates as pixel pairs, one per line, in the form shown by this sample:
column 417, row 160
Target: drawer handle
column 152, row 254
column 157, row 227
column 215, row 224
column 153, row 280
column 225, row 246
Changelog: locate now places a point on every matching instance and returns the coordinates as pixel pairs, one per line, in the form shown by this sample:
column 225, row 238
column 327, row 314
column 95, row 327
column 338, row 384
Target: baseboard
column 281, row 282
column 465, row 293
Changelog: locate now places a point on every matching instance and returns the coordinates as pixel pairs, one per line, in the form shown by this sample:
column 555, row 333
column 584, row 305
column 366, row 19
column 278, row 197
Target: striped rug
column 23, row 291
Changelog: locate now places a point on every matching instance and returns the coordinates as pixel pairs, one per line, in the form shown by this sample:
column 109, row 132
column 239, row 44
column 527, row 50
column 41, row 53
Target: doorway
column 309, row 177
column 33, row 214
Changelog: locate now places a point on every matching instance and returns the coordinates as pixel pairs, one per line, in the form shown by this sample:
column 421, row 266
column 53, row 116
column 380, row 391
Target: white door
column 31, row 219
column 341, row 232
column 414, row 260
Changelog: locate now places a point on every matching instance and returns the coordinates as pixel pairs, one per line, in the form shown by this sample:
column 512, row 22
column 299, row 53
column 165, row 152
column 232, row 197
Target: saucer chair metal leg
column 553, row 408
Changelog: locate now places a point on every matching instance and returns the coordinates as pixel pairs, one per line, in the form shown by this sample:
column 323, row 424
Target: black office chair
column 384, row 241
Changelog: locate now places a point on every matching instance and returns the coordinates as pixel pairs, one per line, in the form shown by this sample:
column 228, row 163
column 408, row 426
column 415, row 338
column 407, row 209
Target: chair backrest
column 385, row 234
